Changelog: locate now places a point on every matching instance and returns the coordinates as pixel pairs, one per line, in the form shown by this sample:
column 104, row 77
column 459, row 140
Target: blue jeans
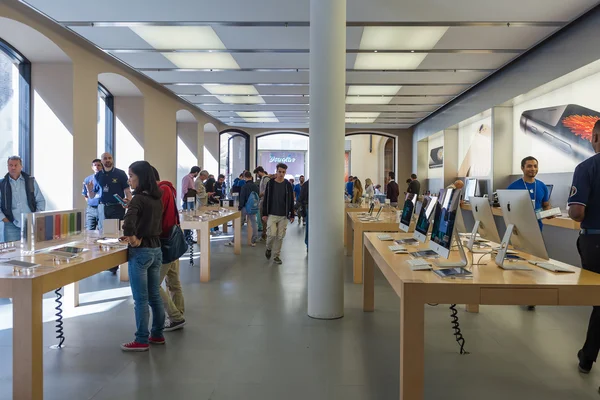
column 11, row 232
column 144, row 278
column 306, row 230
column 91, row 218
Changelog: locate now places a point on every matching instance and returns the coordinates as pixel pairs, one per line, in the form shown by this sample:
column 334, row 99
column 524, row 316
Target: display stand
column 461, row 252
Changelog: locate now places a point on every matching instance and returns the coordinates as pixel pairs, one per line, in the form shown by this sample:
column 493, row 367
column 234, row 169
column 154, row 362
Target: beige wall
column 159, row 105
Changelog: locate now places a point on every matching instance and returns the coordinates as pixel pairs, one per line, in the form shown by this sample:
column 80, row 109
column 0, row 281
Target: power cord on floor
column 456, row 326
column 59, row 323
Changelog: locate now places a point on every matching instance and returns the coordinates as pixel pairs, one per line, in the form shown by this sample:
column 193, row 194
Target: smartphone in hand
column 120, row 200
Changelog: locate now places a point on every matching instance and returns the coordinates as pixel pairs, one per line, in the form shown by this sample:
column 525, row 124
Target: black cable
column 456, row 326
column 59, row 323
column 191, row 244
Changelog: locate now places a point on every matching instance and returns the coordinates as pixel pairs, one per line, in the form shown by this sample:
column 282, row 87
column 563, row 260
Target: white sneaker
column 252, row 244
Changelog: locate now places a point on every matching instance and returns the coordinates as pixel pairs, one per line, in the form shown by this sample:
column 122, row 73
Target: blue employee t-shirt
column 585, row 190
column 91, row 202
column 109, row 183
column 538, row 191
column 350, row 188
column 297, row 188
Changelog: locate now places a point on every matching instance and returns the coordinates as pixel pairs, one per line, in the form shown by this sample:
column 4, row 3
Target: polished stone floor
column 248, row 337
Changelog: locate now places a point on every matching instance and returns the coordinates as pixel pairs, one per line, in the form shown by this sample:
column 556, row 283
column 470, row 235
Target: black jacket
column 303, row 199
column 6, row 201
column 144, row 219
column 289, row 198
column 245, row 191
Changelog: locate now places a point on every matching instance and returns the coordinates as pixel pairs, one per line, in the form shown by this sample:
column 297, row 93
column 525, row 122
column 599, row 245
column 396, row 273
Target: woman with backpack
column 248, row 205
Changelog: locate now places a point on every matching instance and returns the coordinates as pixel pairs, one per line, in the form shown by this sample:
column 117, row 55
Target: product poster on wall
column 293, row 159
column 435, row 155
column 556, row 127
column 475, row 148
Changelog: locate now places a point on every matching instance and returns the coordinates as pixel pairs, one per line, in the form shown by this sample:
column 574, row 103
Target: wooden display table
column 490, row 285
column 560, row 222
column 203, row 227
column 27, row 292
column 354, row 237
column 350, row 209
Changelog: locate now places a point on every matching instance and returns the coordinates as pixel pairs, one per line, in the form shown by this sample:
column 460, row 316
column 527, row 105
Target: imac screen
column 445, row 217
column 470, row 188
column 425, row 216
column 409, row 207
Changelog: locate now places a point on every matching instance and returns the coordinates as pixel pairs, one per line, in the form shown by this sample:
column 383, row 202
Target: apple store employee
column 540, row 196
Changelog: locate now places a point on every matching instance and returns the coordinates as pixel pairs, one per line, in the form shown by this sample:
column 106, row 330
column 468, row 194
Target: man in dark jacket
column 245, row 196
column 393, row 191
column 173, row 301
column 277, row 208
column 303, row 200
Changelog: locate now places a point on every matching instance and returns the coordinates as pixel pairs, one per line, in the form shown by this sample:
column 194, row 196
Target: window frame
column 109, row 114
column 235, row 133
column 25, row 114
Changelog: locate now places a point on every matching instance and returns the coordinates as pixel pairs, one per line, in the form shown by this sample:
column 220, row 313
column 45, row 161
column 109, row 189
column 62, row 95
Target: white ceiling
column 414, row 94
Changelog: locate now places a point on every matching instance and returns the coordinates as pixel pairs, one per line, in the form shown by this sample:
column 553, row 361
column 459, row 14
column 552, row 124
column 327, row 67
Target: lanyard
column 529, row 190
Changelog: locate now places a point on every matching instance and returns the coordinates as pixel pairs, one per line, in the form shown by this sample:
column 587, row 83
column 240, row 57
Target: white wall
column 129, row 130
column 475, row 148
column 365, row 164
column 187, row 144
column 53, row 133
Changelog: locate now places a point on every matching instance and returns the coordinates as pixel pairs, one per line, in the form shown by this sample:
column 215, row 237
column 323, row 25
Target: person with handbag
column 173, row 246
column 142, row 229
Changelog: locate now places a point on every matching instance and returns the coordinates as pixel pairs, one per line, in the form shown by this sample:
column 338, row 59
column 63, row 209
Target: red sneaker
column 135, row 346
column 155, row 340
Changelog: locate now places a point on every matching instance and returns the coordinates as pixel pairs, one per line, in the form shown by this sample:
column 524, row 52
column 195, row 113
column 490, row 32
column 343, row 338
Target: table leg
column 204, row 243
column 412, row 342
column 225, row 227
column 28, row 364
column 472, row 308
column 345, row 232
column 357, row 253
column 124, row 272
column 71, row 298
column 368, row 281
column 348, row 236
column 237, row 236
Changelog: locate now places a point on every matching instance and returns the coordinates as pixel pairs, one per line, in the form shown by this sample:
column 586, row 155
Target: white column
column 200, row 149
column 327, row 126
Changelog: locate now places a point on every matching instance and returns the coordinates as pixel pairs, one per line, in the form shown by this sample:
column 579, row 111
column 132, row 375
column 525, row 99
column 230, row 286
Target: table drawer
column 516, row 296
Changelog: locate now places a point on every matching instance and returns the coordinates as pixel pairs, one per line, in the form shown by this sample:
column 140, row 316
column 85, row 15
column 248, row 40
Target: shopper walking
column 262, row 186
column 392, row 191
column 188, row 189
column 299, row 211
column 584, row 207
column 172, row 301
column 249, row 201
column 414, row 186
column 142, row 227
column 304, row 202
column 277, row 209
column 19, row 193
column 91, row 211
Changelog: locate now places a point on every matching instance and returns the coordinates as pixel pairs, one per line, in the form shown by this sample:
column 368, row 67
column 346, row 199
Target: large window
column 288, row 148
column 106, row 121
column 15, row 101
column 234, row 148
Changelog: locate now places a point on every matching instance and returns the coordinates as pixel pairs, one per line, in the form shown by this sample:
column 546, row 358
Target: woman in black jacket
column 141, row 229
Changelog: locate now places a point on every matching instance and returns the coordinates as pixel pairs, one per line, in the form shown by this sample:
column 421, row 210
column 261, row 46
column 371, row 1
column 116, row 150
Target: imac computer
column 522, row 228
column 424, row 220
column 407, row 212
column 484, row 222
column 550, row 189
column 444, row 229
column 470, row 188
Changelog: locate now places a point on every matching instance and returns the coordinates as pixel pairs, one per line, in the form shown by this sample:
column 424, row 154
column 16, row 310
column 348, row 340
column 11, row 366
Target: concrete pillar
column 327, row 128
column 450, row 156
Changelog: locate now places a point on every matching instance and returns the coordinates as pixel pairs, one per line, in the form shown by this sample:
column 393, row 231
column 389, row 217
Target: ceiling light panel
column 396, row 38
column 241, row 99
column 360, row 120
column 362, row 114
column 256, row 114
column 180, row 37
column 368, row 100
column 373, row 90
column 203, row 60
column 217, row 89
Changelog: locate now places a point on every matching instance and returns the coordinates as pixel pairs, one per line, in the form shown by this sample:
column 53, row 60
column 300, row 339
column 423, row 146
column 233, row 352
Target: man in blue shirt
column 350, row 186
column 91, row 211
column 297, row 188
column 584, row 207
column 19, row 194
column 540, row 196
column 108, row 182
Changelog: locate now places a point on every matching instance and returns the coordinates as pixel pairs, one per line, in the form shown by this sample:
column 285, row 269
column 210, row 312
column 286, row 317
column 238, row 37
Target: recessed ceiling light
column 179, row 37
column 362, row 114
column 255, row 114
column 241, row 99
column 231, row 89
column 203, row 60
column 368, row 100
